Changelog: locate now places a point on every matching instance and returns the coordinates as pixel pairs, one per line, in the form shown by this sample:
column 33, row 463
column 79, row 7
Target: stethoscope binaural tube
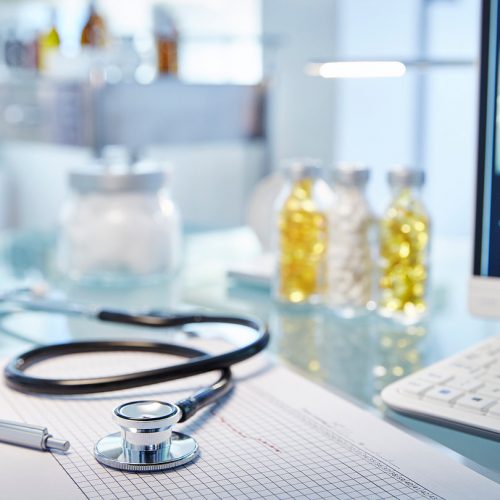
column 198, row 361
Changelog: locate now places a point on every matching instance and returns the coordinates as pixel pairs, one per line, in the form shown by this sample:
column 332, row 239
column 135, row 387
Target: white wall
column 375, row 118
column 301, row 120
column 452, row 111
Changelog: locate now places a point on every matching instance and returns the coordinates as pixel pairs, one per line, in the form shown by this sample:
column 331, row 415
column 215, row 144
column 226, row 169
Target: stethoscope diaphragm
column 146, row 441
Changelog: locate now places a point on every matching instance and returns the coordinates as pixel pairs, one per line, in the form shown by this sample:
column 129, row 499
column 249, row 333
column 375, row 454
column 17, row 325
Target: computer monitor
column 484, row 289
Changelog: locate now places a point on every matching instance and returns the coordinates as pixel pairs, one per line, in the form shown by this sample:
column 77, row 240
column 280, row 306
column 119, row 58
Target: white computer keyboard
column 462, row 391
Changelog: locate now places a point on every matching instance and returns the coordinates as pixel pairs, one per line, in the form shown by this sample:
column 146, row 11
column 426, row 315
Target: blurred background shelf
column 166, row 111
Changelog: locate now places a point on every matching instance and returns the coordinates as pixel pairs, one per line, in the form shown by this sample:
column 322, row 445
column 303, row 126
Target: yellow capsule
column 419, row 225
column 417, row 272
column 404, row 249
column 422, row 239
column 296, row 218
column 308, row 206
column 296, row 296
column 420, row 306
column 393, row 304
column 409, row 308
column 386, row 282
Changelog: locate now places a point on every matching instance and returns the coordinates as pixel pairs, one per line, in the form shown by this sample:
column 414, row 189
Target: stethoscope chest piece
column 146, row 441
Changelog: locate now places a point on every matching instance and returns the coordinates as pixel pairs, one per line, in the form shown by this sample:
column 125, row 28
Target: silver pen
column 32, row 436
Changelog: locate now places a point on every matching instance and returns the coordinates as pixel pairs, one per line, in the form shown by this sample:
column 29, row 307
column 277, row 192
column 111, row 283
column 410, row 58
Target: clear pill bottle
column 301, row 234
column 351, row 250
column 404, row 249
column 119, row 226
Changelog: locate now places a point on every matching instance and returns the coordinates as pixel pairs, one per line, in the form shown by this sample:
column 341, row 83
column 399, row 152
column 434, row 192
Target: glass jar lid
column 142, row 177
column 302, row 168
column 351, row 174
column 402, row 176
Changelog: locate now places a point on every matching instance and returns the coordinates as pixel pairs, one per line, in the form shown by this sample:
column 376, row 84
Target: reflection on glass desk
column 357, row 357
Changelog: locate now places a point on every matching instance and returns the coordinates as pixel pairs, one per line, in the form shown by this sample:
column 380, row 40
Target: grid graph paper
column 253, row 444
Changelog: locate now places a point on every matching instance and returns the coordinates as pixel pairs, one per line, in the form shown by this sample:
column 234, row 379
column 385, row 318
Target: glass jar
column 350, row 255
column 404, row 249
column 301, row 235
column 119, row 226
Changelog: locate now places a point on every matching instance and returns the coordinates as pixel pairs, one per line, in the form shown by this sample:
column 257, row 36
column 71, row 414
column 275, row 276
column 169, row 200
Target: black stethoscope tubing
column 198, row 361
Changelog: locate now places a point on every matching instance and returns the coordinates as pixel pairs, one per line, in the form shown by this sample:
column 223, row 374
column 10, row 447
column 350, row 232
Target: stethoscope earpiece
column 146, row 441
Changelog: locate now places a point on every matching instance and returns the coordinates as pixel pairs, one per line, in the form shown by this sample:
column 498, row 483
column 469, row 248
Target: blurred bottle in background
column 404, row 245
column 48, row 43
column 94, row 33
column 166, row 38
column 13, row 50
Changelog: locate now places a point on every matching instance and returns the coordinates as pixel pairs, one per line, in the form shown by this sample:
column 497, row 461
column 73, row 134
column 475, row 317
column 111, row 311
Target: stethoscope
column 146, row 441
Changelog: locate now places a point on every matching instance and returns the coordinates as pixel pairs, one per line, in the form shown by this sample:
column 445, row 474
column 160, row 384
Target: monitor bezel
column 484, row 97
column 484, row 290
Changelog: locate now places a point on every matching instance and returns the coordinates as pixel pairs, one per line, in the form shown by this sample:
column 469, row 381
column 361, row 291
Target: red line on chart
column 240, row 433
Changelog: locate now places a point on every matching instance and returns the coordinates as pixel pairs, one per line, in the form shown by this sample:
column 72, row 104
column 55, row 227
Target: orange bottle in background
column 166, row 39
column 94, row 33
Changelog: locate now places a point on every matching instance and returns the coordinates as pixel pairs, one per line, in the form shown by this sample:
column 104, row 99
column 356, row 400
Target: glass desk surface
column 357, row 357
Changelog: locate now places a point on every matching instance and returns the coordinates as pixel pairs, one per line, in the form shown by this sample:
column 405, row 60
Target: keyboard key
column 471, row 385
column 495, row 366
column 475, row 402
column 493, row 377
column 494, row 348
column 415, row 387
column 467, row 365
column 466, row 384
column 488, row 346
column 443, row 394
column 479, row 359
column 435, row 376
column 491, row 391
column 494, row 411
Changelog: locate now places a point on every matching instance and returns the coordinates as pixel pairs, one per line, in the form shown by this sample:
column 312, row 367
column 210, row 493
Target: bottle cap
column 404, row 176
column 303, row 168
column 163, row 22
column 141, row 177
column 351, row 174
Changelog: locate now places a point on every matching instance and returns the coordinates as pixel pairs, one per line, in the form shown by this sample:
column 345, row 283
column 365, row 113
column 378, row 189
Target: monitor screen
column 487, row 224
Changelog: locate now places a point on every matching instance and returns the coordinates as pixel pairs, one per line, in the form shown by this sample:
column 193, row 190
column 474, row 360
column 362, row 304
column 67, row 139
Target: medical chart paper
column 277, row 436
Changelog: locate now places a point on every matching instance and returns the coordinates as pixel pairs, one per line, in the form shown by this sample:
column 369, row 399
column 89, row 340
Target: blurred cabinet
column 165, row 112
